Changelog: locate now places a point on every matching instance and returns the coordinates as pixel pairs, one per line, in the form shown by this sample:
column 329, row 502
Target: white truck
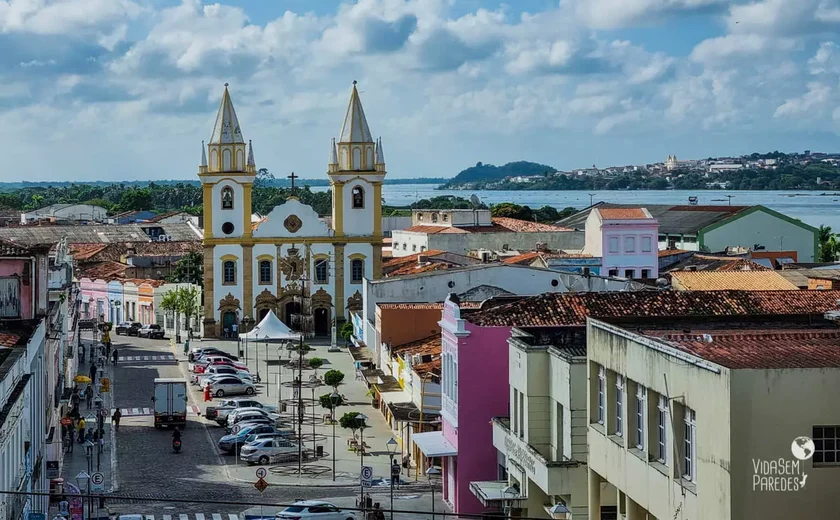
column 170, row 402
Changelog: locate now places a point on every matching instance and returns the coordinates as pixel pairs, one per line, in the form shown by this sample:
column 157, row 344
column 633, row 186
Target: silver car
column 231, row 385
column 268, row 450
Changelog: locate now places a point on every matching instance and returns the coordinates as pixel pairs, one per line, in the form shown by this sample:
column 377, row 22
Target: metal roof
column 673, row 219
column 94, row 233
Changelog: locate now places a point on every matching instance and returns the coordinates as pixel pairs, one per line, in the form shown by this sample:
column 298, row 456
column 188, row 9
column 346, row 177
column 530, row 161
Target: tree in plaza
column 316, row 363
column 351, row 422
column 326, row 401
column 181, row 301
column 346, row 330
column 333, row 378
column 189, row 269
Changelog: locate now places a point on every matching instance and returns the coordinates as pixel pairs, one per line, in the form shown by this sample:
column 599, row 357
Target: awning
column 434, row 444
column 491, row 492
column 403, row 396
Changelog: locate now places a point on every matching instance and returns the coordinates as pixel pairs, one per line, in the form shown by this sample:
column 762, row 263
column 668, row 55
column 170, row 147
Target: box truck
column 170, row 402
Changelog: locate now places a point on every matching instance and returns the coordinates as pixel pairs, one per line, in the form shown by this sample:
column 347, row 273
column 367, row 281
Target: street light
column 83, row 480
column 334, row 399
column 392, row 447
column 432, row 473
column 362, row 419
column 245, row 322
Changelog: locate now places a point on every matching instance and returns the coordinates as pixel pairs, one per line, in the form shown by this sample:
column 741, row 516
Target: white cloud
column 739, row 46
column 64, row 16
column 606, row 14
column 816, row 97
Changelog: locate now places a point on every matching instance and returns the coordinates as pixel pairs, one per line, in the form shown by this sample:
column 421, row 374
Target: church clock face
column 227, row 228
column 292, row 223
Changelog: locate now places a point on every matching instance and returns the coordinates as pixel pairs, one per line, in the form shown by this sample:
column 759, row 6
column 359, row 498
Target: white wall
column 462, row 244
column 760, row 227
column 274, row 226
column 358, row 222
column 592, row 230
column 235, row 215
column 404, row 243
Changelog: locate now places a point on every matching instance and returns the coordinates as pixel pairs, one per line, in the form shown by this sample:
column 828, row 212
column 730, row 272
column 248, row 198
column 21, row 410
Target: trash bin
column 319, row 451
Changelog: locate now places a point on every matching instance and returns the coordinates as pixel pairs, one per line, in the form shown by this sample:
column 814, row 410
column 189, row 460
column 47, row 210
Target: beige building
column 723, row 421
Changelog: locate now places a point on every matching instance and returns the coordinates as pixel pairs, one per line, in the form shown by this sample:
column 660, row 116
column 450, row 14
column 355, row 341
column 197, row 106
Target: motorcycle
column 176, row 445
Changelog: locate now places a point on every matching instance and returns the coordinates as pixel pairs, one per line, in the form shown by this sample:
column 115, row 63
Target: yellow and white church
column 291, row 262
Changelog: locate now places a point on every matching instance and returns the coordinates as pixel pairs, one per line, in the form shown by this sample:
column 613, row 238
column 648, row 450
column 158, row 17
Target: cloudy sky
column 127, row 89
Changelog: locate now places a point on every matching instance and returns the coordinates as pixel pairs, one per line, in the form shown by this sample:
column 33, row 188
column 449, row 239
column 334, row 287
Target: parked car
column 248, row 415
column 245, row 377
column 150, row 331
column 220, row 413
column 216, row 370
column 234, row 441
column 201, row 353
column 201, row 365
column 285, row 433
column 315, row 510
column 268, row 450
column 231, row 385
column 122, row 328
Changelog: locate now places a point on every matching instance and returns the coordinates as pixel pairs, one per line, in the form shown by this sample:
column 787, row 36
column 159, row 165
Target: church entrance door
column 322, row 321
column 228, row 319
column 292, row 308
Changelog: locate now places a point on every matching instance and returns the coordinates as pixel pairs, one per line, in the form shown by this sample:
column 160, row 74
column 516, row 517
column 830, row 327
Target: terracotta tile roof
column 149, row 281
column 428, row 346
column 85, row 252
column 433, row 260
column 158, row 218
column 404, row 260
column 760, row 349
column 418, row 306
column 103, row 270
column 432, row 366
column 566, row 255
column 672, row 252
column 623, row 213
column 730, row 280
column 416, row 268
column 572, row 309
column 524, row 258
column 8, row 249
column 8, row 339
column 500, row 225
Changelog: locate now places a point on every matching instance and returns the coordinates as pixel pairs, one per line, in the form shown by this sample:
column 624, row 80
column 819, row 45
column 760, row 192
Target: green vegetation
column 545, row 214
column 183, row 301
column 316, row 363
column 489, row 173
column 351, row 422
column 326, row 401
column 346, row 330
column 333, row 378
column 829, row 245
column 189, row 269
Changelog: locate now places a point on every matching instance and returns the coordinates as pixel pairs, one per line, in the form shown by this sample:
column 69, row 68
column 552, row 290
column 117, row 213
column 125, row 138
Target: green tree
column 326, row 401
column 829, row 247
column 189, row 269
column 333, row 378
column 136, row 199
column 181, row 301
column 316, row 363
column 511, row 210
column 346, row 330
column 351, row 422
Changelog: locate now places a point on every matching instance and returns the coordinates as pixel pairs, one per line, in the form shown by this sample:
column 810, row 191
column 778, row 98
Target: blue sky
column 127, row 89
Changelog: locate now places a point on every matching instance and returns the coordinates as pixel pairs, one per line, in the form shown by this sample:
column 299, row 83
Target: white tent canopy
column 270, row 327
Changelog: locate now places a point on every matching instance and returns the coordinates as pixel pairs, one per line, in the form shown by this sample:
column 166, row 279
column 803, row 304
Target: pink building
column 626, row 240
column 474, row 390
column 94, row 296
column 23, row 273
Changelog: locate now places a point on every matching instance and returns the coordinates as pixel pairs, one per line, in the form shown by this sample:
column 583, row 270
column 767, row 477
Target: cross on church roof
column 293, row 177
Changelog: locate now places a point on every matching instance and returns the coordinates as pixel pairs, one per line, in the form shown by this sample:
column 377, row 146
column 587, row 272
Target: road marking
column 199, row 516
column 167, row 517
column 150, row 517
column 232, row 516
column 183, row 517
column 217, row 516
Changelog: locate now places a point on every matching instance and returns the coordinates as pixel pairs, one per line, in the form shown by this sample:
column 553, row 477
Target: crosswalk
column 196, row 516
column 168, row 358
column 139, row 412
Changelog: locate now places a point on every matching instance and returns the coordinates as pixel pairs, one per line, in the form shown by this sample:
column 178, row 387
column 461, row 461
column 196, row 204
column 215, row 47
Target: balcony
column 553, row 477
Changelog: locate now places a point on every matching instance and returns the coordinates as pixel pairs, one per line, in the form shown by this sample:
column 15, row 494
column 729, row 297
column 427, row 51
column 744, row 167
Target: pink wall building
column 626, row 240
column 94, row 295
column 474, row 388
column 17, row 285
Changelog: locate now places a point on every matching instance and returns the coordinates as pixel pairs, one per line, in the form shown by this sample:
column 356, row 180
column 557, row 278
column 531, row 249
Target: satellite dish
column 475, row 201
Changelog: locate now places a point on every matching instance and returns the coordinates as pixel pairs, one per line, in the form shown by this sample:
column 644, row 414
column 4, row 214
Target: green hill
column 489, row 173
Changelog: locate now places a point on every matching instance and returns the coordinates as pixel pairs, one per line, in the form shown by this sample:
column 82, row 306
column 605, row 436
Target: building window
column 689, row 239
column 641, row 414
column 602, row 386
column 629, row 244
column 619, row 405
column 613, row 245
column 690, row 444
column 357, row 270
column 445, row 217
column 826, row 445
column 265, row 271
column 227, row 197
column 646, row 244
column 414, row 247
column 321, row 271
column 558, row 434
column 229, row 271
column 645, row 273
column 662, row 430
column 629, row 273
column 522, row 414
column 405, row 246
column 434, row 217
column 422, row 248
column 420, row 217
column 358, row 197
column 613, row 273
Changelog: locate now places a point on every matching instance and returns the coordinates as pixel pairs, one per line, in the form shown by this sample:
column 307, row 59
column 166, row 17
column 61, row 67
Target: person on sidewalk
column 107, row 351
column 115, row 356
column 92, row 370
column 89, row 396
column 207, row 396
column 116, row 419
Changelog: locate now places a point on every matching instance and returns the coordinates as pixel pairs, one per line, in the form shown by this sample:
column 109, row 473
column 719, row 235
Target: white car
column 231, row 385
column 204, row 381
column 250, row 410
column 251, row 416
column 219, row 369
column 228, row 405
column 268, row 450
column 315, row 510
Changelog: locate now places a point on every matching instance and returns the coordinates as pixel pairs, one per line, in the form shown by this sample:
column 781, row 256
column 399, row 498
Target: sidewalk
column 92, row 460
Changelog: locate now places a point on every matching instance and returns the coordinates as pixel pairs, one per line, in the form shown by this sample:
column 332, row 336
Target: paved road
column 146, row 465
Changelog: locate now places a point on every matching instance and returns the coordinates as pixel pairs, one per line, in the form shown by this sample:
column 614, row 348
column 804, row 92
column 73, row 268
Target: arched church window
column 227, row 197
column 357, row 270
column 265, row 271
column 321, row 271
column 229, row 272
column 358, row 197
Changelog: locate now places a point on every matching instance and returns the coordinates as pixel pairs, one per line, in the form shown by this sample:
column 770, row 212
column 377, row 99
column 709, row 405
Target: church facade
column 291, row 262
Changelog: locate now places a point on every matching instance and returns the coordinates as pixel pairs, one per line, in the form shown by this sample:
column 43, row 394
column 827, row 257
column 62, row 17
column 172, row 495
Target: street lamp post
column 510, row 494
column 334, row 398
column 432, row 472
column 245, row 322
column 395, row 468
column 362, row 419
column 267, row 373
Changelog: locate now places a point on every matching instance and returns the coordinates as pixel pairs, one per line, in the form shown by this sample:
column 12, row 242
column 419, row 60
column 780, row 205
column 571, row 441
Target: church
column 291, row 262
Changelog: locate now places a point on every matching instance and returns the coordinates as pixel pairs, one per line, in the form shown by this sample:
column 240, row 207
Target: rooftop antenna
column 475, row 201
column 730, row 198
column 591, row 195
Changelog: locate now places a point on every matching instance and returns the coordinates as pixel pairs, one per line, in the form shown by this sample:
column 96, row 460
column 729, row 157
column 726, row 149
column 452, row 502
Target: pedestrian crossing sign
column 261, row 485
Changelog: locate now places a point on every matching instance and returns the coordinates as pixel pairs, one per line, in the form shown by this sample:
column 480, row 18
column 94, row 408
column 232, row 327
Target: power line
column 204, row 500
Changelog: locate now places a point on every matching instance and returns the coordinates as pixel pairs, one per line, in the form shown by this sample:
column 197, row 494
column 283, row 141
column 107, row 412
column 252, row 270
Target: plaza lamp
column 432, row 474
column 362, row 419
column 334, row 398
column 392, row 447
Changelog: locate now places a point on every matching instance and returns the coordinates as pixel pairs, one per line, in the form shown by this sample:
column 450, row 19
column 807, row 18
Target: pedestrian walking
column 89, row 435
column 107, row 351
column 92, row 370
column 89, row 396
column 233, row 329
column 207, row 394
column 116, row 419
column 187, row 347
column 115, row 356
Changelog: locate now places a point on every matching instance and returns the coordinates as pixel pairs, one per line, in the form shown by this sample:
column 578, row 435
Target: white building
column 292, row 262
column 711, row 422
column 66, row 212
column 625, row 240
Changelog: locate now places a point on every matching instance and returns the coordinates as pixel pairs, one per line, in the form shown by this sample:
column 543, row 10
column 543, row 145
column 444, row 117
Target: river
column 810, row 207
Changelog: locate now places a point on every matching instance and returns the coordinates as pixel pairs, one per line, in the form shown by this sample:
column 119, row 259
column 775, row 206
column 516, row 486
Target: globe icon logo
column 802, row 448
